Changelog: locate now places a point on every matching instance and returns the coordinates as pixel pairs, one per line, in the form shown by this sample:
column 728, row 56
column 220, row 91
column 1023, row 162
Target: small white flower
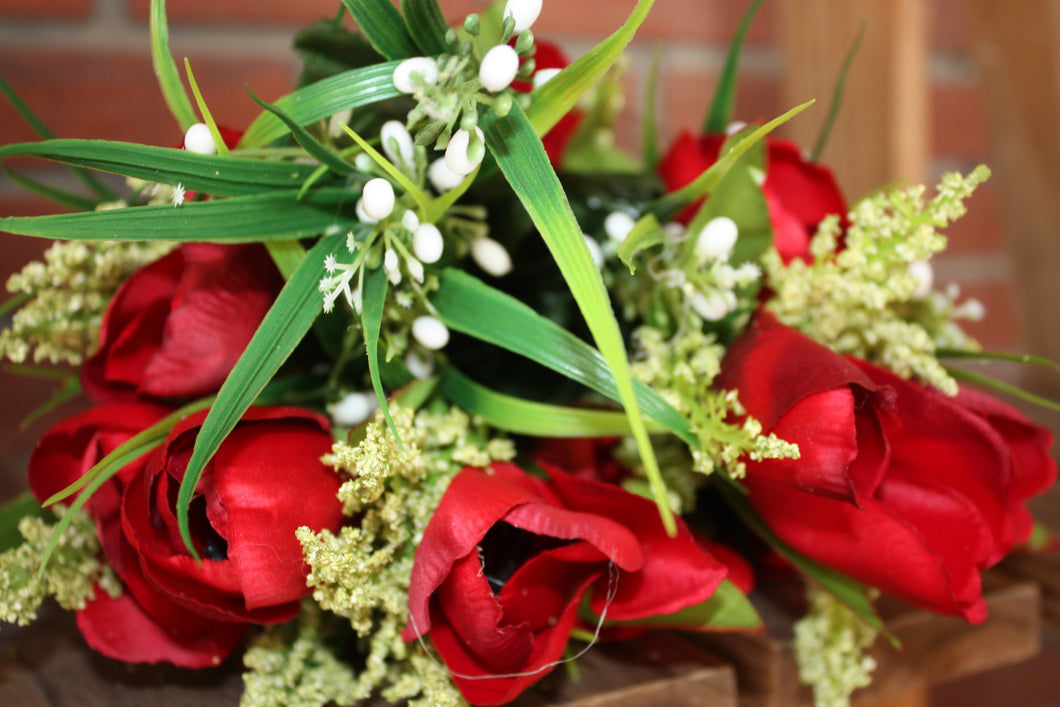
column 543, row 76
column 378, row 198
column 427, row 243
column 498, row 68
column 199, row 140
column 524, row 12
column 442, row 178
column 714, row 306
column 430, row 332
column 716, row 240
column 457, row 159
column 354, row 409
column 925, row 278
column 425, row 67
column 393, row 134
column 177, row 197
column 734, row 127
column 595, row 251
column 491, row 256
column 617, row 225
column 410, row 221
column 330, row 264
column 972, row 310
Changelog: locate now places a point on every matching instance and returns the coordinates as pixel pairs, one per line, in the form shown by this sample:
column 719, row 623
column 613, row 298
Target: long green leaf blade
column 474, row 308
column 554, row 100
column 280, row 215
column 725, row 95
column 282, row 329
column 310, row 144
column 63, row 198
column 210, row 174
column 837, row 97
column 529, row 417
column 324, row 98
column 426, row 25
column 384, row 27
column 374, row 300
column 166, row 69
column 1003, row 387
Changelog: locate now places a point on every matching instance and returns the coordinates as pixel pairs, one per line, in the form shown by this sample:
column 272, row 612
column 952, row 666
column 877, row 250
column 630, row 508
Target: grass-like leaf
column 282, row 329
column 521, row 157
column 997, row 356
column 280, row 215
column 474, row 308
column 728, row 609
column 1002, row 387
column 384, row 27
column 374, row 299
column 59, row 196
column 210, row 174
column 721, row 107
column 166, row 69
column 426, row 24
column 320, row 100
column 207, row 116
column 310, row 144
column 529, row 417
column 558, row 95
column 837, row 96
column 417, row 194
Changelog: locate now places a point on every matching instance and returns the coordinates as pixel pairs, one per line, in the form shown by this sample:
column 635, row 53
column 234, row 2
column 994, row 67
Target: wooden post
column 881, row 135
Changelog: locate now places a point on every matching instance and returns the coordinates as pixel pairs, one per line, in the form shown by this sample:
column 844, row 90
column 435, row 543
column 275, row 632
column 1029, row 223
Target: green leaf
column 384, row 27
column 327, row 48
column 472, row 307
column 63, row 198
column 1002, row 387
column 13, row 512
column 166, row 69
column 668, row 206
column 728, row 609
column 422, row 200
column 374, row 294
column 837, row 96
column 320, row 100
column 725, row 95
column 528, row 417
column 279, row 216
column 646, row 233
column 71, row 389
column 207, row 116
column 310, row 144
column 996, row 356
column 521, row 157
column 211, row 174
column 558, row 95
column 282, row 329
column 426, row 25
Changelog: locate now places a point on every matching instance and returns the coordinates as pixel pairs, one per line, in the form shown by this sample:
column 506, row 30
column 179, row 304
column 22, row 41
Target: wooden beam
column 882, row 133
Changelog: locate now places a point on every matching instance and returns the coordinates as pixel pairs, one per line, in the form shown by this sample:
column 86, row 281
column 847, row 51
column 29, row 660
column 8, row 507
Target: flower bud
column 459, row 157
column 714, row 306
column 397, row 143
column 595, row 251
column 415, row 269
column 410, row 221
column 354, row 409
column 430, row 332
column 425, row 67
column 716, row 240
column 441, row 177
column 377, row 199
column 543, row 76
column 420, row 365
column 491, row 256
column 925, row 278
column 498, row 68
column 524, row 12
column 617, row 225
column 427, row 243
column 199, row 140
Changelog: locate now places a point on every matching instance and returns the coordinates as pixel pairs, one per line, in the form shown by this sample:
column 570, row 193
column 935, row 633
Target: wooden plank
column 882, row 133
column 1043, row 569
column 934, row 649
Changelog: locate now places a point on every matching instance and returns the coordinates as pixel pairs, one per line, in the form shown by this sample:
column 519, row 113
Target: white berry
column 198, row 139
column 430, row 332
column 498, row 68
column 378, row 198
column 425, row 67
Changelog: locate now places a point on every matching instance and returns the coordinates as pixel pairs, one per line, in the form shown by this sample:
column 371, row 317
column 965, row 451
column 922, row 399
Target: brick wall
column 84, row 66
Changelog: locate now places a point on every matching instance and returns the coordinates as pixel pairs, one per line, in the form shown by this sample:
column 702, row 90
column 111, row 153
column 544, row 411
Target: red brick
column 981, row 229
column 297, row 13
column 958, row 122
column 1000, row 329
column 686, row 95
column 115, row 96
column 32, row 9
column 950, row 29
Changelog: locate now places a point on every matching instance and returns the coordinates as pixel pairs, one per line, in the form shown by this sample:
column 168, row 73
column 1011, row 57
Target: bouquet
column 416, row 388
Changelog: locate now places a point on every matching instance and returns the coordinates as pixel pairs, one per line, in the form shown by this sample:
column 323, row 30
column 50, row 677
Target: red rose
column 799, row 193
column 506, row 559
column 898, row 485
column 177, row 326
column 265, row 481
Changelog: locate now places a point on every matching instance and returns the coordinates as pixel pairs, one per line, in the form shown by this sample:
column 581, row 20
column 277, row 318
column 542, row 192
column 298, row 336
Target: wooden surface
column 881, row 135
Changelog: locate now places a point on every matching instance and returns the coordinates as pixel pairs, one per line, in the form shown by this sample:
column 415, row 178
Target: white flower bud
column 427, row 243
column 734, row 127
column 420, row 366
column 714, row 306
column 410, row 221
column 426, row 67
column 617, row 225
column 491, row 256
column 354, row 409
column 595, row 251
column 390, row 260
column 393, row 133
column 363, row 162
column 498, row 68
column 362, row 216
column 456, row 155
column 430, row 332
column 442, row 178
column 524, row 12
column 199, row 140
column 925, row 278
column 716, row 240
column 336, row 121
column 543, row 76
column 971, row 309
column 415, row 269
column 378, row 198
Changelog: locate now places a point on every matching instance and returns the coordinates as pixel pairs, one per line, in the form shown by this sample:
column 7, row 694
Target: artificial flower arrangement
column 417, row 387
